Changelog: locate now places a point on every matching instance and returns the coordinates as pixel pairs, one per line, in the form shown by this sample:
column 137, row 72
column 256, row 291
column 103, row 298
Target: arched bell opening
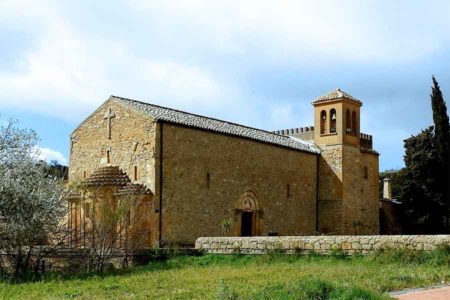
column 333, row 118
column 323, row 122
column 354, row 123
column 348, row 122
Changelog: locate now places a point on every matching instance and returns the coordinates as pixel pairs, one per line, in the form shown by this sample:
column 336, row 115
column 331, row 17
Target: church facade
column 208, row 177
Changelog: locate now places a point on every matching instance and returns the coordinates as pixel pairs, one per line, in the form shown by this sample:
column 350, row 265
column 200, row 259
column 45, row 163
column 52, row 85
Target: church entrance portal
column 247, row 223
column 247, row 216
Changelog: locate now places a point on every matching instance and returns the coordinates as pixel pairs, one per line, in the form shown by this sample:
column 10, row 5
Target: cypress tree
column 422, row 206
column 442, row 144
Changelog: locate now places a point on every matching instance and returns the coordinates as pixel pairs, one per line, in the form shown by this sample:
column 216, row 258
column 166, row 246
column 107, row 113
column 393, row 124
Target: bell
column 333, row 117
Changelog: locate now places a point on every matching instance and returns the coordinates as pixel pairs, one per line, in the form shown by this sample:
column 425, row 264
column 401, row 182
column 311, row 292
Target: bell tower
column 337, row 119
column 348, row 167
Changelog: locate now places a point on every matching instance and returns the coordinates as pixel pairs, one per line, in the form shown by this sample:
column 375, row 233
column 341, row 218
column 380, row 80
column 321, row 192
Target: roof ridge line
column 197, row 115
column 175, row 116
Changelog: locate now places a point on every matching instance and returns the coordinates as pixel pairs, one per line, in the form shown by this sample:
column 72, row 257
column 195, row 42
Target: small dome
column 108, row 176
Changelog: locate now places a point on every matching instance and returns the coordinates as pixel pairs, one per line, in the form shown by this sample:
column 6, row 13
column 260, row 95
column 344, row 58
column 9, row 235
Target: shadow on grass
column 179, row 262
column 438, row 257
column 307, row 289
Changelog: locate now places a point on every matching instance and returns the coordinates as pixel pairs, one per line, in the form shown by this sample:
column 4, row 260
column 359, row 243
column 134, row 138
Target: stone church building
column 199, row 173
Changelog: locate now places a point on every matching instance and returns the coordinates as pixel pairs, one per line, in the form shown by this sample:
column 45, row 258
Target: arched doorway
column 248, row 215
column 247, row 223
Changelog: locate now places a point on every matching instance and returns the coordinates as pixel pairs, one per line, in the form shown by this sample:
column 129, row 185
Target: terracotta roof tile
column 108, row 176
column 336, row 94
column 192, row 120
column 133, row 189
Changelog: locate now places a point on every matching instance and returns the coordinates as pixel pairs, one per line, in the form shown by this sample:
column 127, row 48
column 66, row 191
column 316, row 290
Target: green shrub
column 440, row 256
column 224, row 292
column 356, row 293
column 314, row 289
column 338, row 253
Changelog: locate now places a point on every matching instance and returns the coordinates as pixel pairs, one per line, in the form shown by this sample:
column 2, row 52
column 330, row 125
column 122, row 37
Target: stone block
column 325, row 246
column 346, row 246
column 356, row 246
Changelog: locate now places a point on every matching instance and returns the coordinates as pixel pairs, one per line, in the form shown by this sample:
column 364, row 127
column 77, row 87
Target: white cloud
column 68, row 73
column 49, row 155
column 298, row 31
column 290, row 114
column 235, row 60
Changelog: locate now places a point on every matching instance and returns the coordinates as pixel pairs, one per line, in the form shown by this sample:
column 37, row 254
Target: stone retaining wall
column 320, row 244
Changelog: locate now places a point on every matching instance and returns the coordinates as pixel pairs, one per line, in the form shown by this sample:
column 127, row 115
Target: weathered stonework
column 362, row 244
column 361, row 197
column 127, row 142
column 132, row 144
column 348, row 170
column 209, row 177
column 237, row 169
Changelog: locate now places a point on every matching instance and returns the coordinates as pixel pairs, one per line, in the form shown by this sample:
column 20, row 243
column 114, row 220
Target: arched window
column 323, row 121
column 333, row 120
column 135, row 173
column 208, row 180
column 366, row 173
column 348, row 122
column 108, row 156
column 354, row 122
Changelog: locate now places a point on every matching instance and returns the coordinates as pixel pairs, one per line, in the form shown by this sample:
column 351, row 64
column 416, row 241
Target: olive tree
column 114, row 226
column 32, row 209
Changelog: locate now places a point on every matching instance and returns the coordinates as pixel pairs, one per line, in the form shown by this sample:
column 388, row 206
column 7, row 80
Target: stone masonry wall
column 360, row 192
column 348, row 191
column 330, row 190
column 363, row 244
column 210, row 177
column 131, row 147
column 132, row 144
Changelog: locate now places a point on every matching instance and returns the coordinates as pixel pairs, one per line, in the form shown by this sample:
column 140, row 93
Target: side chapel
column 198, row 172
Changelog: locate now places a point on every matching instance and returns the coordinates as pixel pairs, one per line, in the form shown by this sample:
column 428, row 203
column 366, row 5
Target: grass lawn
column 249, row 277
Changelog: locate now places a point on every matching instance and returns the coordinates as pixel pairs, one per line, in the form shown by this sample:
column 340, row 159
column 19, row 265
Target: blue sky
column 259, row 63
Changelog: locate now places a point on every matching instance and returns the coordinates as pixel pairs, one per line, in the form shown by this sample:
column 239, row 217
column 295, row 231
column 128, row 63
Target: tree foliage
column 441, row 127
column 113, row 225
column 422, row 202
column 442, row 144
column 425, row 189
column 397, row 178
column 57, row 170
column 31, row 206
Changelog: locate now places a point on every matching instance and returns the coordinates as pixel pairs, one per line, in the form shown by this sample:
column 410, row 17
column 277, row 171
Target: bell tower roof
column 337, row 94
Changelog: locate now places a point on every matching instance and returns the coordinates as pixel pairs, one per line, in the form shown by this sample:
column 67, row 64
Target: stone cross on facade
column 108, row 116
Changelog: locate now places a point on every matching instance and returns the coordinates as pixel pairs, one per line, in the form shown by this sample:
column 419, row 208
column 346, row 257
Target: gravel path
column 434, row 293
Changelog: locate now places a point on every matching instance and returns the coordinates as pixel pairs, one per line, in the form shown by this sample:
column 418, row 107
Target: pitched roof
column 192, row 120
column 336, row 94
